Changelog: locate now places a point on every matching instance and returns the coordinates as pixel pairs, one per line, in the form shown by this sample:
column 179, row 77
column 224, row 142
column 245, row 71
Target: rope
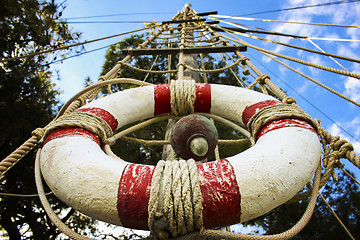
column 82, row 120
column 164, row 142
column 329, row 69
column 340, row 148
column 152, row 65
column 245, row 61
column 276, row 112
column 21, row 195
column 119, row 67
column 147, row 71
column 347, row 173
column 183, row 96
column 210, row 70
column 301, row 48
column 314, row 81
column 175, row 206
column 281, row 21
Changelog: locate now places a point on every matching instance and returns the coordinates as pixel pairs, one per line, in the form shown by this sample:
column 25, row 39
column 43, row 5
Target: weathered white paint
column 229, row 102
column 83, row 176
column 268, row 174
column 272, row 171
column 129, row 105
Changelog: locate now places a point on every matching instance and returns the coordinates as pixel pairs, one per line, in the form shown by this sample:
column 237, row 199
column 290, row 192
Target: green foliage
column 28, row 99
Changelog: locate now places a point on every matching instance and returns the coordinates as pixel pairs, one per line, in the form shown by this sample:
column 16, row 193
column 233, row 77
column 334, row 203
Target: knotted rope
column 276, row 112
column 83, row 120
column 175, row 206
column 183, row 96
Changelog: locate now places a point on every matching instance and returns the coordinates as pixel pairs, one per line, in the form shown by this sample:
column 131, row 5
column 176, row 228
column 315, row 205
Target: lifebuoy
column 236, row 189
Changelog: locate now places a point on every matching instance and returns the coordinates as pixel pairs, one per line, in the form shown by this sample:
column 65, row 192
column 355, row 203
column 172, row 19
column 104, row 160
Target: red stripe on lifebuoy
column 203, row 98
column 252, row 109
column 285, row 123
column 162, row 99
column 220, row 193
column 134, row 195
column 72, row 132
column 101, row 113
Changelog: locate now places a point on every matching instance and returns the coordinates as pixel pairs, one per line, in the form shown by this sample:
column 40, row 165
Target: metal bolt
column 199, row 146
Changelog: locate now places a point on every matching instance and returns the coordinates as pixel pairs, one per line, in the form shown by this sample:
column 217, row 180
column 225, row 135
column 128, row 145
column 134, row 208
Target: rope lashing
column 183, row 96
column 340, row 148
column 261, row 79
column 289, row 100
column 243, row 60
column 175, row 204
column 86, row 121
column 277, row 112
column 38, row 133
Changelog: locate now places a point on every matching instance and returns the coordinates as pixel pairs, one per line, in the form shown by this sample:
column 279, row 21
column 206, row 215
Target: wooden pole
column 186, row 41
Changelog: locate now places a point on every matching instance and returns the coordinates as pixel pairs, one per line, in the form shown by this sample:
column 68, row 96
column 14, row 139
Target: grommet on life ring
column 233, row 190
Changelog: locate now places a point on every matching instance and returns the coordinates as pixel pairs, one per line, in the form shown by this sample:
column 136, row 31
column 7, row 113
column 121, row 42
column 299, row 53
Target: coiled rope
column 175, row 205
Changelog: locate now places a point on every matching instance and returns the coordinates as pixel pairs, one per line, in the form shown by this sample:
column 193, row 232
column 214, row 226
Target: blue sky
column 336, row 114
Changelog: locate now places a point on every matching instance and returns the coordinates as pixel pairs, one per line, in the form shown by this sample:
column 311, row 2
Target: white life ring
column 236, row 189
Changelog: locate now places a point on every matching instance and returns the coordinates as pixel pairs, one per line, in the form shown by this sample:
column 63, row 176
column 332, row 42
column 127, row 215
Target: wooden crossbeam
column 185, row 21
column 190, row 50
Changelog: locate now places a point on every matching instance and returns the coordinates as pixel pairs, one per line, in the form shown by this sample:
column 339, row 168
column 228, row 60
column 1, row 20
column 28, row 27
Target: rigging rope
column 330, row 69
column 301, row 7
column 302, row 48
column 314, row 81
column 282, row 21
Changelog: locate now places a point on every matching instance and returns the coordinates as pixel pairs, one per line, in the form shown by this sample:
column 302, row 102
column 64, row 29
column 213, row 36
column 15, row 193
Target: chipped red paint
column 162, row 99
column 203, row 98
column 285, row 123
column 72, row 132
column 134, row 195
column 252, row 109
column 220, row 192
column 105, row 115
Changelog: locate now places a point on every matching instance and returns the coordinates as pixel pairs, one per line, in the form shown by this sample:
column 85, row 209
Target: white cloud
column 303, row 88
column 334, row 129
column 352, row 87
